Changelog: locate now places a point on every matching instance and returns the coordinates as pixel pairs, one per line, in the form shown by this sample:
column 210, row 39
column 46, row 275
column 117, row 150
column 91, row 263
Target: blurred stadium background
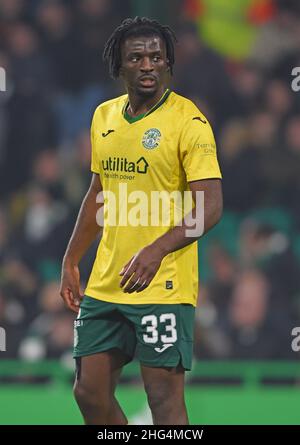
column 234, row 59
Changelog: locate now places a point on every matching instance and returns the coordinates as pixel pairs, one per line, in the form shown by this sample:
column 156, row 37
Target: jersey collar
column 131, row 119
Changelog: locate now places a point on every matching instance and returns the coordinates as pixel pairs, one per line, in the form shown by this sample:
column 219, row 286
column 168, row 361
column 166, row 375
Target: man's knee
column 162, row 395
column 89, row 400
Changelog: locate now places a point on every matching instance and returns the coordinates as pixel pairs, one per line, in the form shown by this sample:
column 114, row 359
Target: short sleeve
column 94, row 158
column 198, row 149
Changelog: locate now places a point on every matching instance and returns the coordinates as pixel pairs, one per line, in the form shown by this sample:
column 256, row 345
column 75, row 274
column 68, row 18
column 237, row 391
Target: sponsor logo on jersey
column 151, row 138
column 117, row 164
column 207, row 149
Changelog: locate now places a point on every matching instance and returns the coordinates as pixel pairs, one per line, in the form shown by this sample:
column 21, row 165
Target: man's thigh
column 99, row 373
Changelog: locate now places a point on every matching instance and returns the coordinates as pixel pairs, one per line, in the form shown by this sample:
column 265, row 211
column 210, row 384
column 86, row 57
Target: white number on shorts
column 169, row 328
column 152, row 329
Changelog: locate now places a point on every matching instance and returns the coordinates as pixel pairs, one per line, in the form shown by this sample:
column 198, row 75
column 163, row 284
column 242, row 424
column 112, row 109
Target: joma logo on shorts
column 163, row 348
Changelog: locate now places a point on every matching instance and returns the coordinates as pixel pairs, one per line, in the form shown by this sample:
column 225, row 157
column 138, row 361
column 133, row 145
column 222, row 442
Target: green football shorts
column 158, row 335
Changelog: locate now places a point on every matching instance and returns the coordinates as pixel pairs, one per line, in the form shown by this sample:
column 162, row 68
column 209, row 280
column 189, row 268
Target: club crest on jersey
column 151, row 138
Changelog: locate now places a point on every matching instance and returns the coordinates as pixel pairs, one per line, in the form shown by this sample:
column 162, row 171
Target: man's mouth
column 147, row 81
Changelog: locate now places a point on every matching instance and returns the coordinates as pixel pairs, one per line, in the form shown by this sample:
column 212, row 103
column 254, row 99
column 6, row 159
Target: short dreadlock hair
column 137, row 27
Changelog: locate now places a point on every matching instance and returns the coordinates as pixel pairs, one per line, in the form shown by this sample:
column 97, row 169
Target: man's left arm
column 141, row 268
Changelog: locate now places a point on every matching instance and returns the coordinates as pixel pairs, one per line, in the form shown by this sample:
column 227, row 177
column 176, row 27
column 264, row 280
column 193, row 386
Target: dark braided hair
column 137, row 27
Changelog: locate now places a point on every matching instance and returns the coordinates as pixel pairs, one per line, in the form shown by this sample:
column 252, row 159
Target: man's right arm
column 85, row 232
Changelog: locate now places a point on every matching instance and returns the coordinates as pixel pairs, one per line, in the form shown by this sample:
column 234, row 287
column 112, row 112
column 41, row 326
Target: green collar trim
column 132, row 119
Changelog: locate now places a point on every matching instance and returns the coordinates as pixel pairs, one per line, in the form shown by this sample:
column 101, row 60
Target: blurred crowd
column 249, row 297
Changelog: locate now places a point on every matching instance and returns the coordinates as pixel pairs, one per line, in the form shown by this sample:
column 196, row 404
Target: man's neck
column 141, row 104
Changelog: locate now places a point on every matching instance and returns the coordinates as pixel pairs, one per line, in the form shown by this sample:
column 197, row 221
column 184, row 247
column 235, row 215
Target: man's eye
column 134, row 59
column 156, row 58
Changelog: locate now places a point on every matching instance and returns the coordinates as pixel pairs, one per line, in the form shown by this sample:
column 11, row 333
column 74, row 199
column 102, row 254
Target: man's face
column 145, row 67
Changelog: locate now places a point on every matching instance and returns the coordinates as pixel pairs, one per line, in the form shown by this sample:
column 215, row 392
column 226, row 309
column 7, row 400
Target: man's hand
column 141, row 269
column 70, row 287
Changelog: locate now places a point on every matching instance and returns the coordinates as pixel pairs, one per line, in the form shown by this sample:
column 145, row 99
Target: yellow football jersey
column 160, row 153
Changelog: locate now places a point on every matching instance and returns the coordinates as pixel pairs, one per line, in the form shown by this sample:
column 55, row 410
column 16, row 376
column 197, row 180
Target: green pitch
column 54, row 405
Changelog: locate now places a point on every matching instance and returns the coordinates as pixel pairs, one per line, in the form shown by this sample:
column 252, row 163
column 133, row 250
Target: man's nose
column 146, row 64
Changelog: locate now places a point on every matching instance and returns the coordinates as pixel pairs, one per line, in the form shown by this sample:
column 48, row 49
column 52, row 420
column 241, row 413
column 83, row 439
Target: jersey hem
column 150, row 301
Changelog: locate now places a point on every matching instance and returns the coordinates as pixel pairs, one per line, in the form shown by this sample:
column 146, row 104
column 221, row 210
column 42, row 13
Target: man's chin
column 146, row 92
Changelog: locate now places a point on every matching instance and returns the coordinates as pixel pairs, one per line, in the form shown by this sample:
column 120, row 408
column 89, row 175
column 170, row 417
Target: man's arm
column 85, row 231
column 144, row 265
column 213, row 206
